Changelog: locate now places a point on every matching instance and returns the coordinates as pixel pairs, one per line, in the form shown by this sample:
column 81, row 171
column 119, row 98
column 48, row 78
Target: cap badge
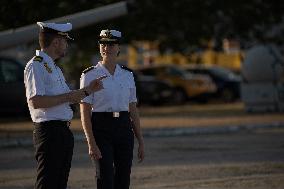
column 108, row 34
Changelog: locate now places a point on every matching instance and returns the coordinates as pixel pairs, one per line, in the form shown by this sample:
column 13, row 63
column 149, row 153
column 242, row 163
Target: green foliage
column 177, row 25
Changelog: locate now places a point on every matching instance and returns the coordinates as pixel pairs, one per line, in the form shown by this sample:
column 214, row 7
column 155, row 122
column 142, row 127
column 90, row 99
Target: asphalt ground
column 190, row 146
column 238, row 160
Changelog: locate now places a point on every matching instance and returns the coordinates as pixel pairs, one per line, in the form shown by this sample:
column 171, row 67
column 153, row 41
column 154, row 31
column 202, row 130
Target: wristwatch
column 86, row 93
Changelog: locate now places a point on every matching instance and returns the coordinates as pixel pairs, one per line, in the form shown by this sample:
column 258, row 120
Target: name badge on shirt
column 48, row 69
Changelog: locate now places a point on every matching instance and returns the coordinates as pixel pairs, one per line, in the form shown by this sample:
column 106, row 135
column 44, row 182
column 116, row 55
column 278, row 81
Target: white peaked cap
column 60, row 29
column 113, row 33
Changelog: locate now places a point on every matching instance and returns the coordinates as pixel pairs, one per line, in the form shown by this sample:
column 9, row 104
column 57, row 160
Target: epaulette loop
column 126, row 68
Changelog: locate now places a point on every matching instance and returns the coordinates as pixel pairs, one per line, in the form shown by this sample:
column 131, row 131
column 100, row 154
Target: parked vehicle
column 12, row 89
column 228, row 83
column 153, row 91
column 186, row 85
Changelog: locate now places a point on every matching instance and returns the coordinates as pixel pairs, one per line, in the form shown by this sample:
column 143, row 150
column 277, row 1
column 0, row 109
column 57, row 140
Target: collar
column 117, row 70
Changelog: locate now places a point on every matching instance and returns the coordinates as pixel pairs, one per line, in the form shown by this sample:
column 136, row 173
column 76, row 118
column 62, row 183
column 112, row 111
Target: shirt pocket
column 53, row 85
column 105, row 93
column 123, row 90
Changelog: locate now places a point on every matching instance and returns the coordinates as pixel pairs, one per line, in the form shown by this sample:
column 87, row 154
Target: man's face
column 61, row 47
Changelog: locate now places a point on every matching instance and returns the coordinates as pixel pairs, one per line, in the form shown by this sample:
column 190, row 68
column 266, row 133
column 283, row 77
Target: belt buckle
column 115, row 114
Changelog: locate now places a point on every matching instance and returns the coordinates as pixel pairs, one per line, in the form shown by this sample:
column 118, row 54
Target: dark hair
column 45, row 39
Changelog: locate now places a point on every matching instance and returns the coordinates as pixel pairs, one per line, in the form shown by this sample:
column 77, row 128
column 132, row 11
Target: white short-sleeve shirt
column 43, row 78
column 119, row 89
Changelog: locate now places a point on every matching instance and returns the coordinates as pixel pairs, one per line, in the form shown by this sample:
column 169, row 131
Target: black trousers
column 115, row 139
column 53, row 142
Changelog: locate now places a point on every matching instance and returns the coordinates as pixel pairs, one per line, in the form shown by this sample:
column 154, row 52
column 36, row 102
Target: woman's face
column 109, row 50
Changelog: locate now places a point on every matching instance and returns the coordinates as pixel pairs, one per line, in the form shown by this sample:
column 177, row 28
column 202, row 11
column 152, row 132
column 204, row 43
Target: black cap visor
column 108, row 41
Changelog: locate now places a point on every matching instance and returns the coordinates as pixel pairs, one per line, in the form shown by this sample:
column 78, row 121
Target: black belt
column 53, row 123
column 111, row 114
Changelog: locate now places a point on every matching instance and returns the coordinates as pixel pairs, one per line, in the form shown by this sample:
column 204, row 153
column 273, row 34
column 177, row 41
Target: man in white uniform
column 49, row 99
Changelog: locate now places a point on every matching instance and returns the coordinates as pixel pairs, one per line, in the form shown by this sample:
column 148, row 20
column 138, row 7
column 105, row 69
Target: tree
column 176, row 24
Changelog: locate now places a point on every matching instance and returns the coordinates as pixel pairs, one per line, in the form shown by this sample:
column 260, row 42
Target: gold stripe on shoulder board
column 88, row 69
column 38, row 58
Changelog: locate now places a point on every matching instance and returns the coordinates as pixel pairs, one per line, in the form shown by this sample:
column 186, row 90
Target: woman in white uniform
column 110, row 117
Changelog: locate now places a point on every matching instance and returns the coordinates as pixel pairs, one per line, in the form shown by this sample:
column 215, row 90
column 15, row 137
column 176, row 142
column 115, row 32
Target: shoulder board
column 126, row 68
column 37, row 58
column 88, row 69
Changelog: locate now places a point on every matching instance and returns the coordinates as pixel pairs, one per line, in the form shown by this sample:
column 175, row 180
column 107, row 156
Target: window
column 148, row 72
column 175, row 72
column 10, row 71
